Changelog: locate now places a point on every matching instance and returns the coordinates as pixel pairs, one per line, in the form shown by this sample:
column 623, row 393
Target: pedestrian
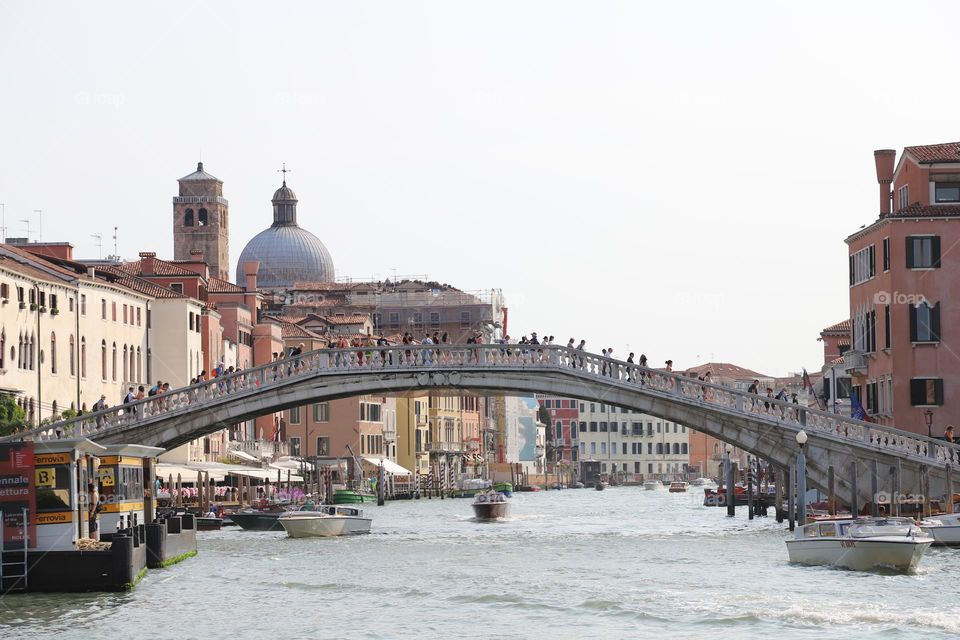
column 948, row 434
column 93, row 510
column 100, row 405
column 669, row 364
column 630, row 376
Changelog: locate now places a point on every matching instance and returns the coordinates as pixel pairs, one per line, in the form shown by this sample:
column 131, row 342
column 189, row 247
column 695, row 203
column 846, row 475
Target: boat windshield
column 881, row 527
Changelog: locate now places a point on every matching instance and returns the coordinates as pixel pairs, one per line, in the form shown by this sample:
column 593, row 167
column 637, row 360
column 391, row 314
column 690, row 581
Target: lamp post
column 928, row 418
column 801, row 479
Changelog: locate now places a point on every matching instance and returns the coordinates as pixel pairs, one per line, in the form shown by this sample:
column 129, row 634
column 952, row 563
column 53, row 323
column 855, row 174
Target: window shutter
column 909, row 252
column 938, row 391
column 873, row 260
column 913, row 322
column 935, row 321
column 917, row 392
column 935, row 250
column 851, row 271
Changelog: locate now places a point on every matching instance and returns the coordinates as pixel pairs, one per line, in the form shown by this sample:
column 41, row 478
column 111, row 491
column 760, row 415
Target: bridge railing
column 535, row 357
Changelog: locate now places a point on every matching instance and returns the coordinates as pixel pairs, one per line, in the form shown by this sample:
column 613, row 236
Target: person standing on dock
column 93, row 509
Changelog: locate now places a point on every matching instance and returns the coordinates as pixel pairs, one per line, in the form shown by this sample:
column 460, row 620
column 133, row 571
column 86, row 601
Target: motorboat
column 263, row 519
column 703, row 482
column 324, row 521
column 491, row 505
column 943, row 528
column 653, row 485
column 600, row 485
column 678, row 487
column 860, row 544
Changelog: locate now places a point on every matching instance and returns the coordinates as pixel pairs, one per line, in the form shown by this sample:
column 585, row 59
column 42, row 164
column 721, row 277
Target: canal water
column 623, row 563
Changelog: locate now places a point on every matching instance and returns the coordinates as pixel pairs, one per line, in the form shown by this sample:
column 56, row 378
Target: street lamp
column 730, row 496
column 928, row 418
column 802, row 478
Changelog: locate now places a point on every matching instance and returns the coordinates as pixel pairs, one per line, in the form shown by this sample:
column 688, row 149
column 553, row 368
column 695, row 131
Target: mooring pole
column 731, row 494
column 791, row 497
column 749, row 489
column 802, row 487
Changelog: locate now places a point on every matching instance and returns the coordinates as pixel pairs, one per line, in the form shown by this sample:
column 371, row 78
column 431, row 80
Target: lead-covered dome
column 287, row 253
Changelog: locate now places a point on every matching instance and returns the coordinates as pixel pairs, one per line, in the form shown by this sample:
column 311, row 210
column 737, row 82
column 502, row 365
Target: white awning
column 187, row 474
column 243, row 455
column 264, row 474
column 389, row 466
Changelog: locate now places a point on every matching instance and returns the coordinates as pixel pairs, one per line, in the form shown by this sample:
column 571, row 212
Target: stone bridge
column 764, row 427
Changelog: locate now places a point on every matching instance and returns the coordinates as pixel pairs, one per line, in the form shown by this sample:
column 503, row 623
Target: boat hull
column 491, row 510
column 257, row 521
column 352, row 497
column 859, row 555
column 653, row 486
column 320, row 526
column 205, row 523
column 946, row 535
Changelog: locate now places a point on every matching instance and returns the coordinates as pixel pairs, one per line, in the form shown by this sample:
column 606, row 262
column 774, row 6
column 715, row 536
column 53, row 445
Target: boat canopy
column 389, row 466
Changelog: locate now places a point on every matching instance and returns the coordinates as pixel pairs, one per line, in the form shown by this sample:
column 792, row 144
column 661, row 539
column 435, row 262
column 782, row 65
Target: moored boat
column 678, row 487
column 208, row 523
column 349, row 496
column 860, row 544
column 943, row 528
column 264, row 519
column 324, row 521
column 491, row 505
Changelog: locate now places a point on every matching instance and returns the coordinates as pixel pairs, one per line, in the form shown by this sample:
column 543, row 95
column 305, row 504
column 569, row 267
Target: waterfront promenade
column 623, row 563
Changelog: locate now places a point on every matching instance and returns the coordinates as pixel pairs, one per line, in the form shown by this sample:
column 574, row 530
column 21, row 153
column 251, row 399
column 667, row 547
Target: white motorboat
column 491, row 505
column 654, row 485
column 325, row 521
column 944, row 529
column 860, row 544
column 703, row 482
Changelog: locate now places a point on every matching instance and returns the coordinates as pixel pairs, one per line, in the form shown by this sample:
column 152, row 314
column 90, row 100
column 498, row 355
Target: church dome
column 287, row 253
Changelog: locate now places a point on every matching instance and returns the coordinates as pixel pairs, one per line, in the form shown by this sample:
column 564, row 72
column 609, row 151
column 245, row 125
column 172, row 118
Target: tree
column 12, row 415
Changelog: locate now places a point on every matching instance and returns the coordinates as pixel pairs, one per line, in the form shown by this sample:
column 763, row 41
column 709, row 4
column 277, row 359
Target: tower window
column 202, row 218
column 188, row 218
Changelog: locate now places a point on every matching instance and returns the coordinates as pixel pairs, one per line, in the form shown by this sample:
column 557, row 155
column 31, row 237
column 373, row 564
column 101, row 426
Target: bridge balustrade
column 415, row 358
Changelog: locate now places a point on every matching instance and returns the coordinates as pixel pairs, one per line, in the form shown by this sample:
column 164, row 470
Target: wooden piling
column 778, row 496
column 831, row 492
column 791, row 497
column 749, row 490
column 731, row 495
column 854, row 496
column 949, row 501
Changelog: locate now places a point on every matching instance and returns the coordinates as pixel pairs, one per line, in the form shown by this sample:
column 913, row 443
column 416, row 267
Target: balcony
column 389, row 435
column 446, row 447
column 199, row 200
column 855, row 363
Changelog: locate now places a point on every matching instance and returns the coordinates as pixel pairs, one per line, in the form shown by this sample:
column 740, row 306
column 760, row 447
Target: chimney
column 884, row 158
column 250, row 269
column 147, row 262
column 91, row 273
column 196, row 255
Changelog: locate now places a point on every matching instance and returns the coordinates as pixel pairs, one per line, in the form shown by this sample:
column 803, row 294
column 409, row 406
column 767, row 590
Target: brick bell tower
column 200, row 221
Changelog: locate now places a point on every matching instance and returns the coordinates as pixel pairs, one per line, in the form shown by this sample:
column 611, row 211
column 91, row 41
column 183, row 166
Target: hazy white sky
column 676, row 177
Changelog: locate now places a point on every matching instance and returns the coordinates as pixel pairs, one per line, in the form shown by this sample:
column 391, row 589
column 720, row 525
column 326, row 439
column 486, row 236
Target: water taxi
column 324, row 521
column 653, row 485
column 943, row 528
column 678, row 487
column 860, row 544
column 491, row 505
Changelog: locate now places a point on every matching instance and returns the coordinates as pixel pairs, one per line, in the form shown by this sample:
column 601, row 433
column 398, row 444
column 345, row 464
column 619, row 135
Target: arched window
column 73, row 356
column 126, row 370
column 202, row 220
column 133, row 367
column 113, row 363
column 139, row 366
column 33, row 353
column 53, row 352
column 188, row 218
column 659, row 448
column 83, row 357
column 683, row 448
column 676, row 448
column 3, row 345
column 31, row 409
column 103, row 360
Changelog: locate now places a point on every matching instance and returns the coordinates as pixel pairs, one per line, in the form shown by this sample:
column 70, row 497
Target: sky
column 675, row 179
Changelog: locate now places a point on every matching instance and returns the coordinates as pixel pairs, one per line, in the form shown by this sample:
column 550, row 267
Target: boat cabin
column 123, row 472
column 857, row 528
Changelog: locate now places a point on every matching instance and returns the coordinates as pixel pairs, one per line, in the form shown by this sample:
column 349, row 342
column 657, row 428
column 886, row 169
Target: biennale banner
column 17, row 491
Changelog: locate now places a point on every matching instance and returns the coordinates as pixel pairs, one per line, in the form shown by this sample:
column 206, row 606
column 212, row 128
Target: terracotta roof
column 917, row 210
column 355, row 318
column 216, row 285
column 928, row 154
column 160, row 268
column 39, row 264
column 726, row 370
column 139, row 285
column 837, row 360
column 292, row 330
column 841, row 327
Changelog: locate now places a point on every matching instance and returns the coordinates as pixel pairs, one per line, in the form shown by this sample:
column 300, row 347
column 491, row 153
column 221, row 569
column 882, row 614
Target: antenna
column 27, row 222
column 115, row 254
column 3, row 222
column 99, row 238
column 39, row 213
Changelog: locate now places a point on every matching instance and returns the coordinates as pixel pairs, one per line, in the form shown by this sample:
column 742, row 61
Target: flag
column 856, row 409
column 808, row 385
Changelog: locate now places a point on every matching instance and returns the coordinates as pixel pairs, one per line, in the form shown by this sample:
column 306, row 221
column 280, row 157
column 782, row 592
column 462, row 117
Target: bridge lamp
column 801, row 438
column 729, row 449
column 928, row 418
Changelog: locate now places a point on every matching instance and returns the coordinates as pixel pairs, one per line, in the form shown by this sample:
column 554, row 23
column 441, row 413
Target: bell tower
column 200, row 221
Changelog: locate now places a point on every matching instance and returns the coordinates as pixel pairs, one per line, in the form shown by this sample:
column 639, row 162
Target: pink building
column 903, row 282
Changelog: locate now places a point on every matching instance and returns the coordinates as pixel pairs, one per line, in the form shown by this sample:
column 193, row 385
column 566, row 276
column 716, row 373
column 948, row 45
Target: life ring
column 481, row 498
